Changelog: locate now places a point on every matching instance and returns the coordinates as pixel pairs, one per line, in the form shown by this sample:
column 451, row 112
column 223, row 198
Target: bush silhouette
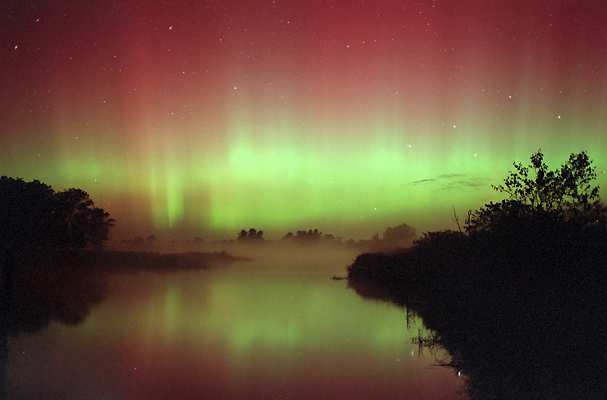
column 543, row 196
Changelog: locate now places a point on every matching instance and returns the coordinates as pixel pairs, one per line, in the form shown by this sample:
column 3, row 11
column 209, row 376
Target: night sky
column 200, row 118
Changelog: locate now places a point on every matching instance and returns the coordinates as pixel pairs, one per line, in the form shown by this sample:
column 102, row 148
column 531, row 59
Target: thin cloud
column 454, row 181
column 422, row 181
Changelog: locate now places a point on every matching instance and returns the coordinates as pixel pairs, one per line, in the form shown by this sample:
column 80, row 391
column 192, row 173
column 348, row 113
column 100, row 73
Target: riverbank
column 125, row 261
column 522, row 314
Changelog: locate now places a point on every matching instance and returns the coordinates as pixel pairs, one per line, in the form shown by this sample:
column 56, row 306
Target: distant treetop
column 252, row 236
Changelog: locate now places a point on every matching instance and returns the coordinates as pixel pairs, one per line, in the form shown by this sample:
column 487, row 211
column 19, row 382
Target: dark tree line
column 34, row 216
column 517, row 294
column 250, row 236
column 397, row 237
column 309, row 236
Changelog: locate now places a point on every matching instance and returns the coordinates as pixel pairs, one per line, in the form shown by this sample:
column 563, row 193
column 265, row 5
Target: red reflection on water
column 228, row 334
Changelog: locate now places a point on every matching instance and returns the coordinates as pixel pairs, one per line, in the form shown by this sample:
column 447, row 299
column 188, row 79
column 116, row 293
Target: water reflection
column 43, row 294
column 267, row 329
column 40, row 293
column 543, row 347
column 37, row 290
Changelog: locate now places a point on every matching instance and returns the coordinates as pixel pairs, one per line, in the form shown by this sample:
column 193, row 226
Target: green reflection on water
column 248, row 309
column 275, row 329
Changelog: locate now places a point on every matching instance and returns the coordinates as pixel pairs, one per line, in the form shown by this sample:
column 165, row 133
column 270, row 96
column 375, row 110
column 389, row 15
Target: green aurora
column 200, row 121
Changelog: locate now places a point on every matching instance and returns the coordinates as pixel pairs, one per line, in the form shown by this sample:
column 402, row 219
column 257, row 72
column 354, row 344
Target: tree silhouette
column 539, row 194
column 152, row 240
column 34, row 216
column 400, row 235
column 308, row 236
column 242, row 236
column 568, row 187
column 252, row 236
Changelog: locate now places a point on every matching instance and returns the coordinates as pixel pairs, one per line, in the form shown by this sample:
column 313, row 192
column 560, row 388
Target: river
column 270, row 328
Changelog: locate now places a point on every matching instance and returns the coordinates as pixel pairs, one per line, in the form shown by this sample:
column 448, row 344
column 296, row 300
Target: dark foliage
column 34, row 216
column 518, row 296
column 540, row 196
column 394, row 238
column 252, row 236
column 303, row 236
column 401, row 235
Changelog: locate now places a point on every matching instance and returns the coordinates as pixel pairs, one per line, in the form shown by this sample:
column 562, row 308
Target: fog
column 268, row 254
column 312, row 245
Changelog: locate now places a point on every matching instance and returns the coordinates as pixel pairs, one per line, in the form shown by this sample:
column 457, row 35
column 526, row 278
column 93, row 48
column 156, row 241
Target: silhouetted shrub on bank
column 518, row 296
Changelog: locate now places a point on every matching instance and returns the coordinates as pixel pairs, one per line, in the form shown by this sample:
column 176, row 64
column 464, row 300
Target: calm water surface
column 266, row 329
